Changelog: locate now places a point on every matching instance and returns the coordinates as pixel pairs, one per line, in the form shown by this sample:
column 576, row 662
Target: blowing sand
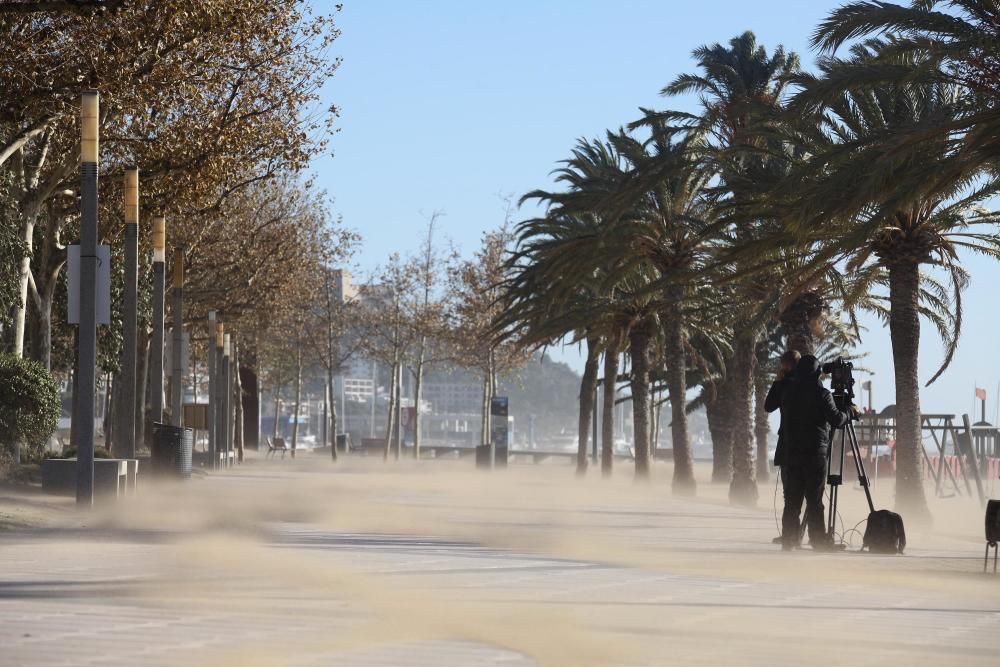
column 309, row 563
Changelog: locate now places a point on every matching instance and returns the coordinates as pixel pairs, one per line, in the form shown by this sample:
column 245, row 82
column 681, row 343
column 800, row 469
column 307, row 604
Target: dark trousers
column 804, row 480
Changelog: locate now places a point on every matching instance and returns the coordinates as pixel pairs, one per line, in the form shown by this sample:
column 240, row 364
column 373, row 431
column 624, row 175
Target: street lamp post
column 177, row 362
column 127, row 426
column 227, row 390
column 219, row 396
column 156, row 351
column 212, row 456
column 87, row 339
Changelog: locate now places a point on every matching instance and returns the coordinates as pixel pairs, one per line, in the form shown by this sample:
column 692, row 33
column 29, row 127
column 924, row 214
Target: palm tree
column 899, row 212
column 620, row 303
column 947, row 41
column 665, row 224
column 542, row 307
column 556, row 291
column 741, row 88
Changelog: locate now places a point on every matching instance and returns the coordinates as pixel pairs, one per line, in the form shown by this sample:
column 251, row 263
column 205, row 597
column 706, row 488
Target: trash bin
column 342, row 442
column 171, row 450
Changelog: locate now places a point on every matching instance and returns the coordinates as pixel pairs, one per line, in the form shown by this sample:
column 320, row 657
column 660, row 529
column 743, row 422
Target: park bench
column 278, row 445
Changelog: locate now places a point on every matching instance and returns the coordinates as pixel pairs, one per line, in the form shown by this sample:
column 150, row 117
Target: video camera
column 841, row 376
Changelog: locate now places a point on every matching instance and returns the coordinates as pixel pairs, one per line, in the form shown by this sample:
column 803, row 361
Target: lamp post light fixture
column 156, row 351
column 86, row 355
column 177, row 349
column 126, row 424
column 212, row 456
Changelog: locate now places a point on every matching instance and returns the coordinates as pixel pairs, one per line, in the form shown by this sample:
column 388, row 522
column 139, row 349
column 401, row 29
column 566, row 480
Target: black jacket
column 808, row 411
column 775, row 395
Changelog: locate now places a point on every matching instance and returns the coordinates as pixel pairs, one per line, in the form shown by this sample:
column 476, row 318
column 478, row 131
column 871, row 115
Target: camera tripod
column 848, row 438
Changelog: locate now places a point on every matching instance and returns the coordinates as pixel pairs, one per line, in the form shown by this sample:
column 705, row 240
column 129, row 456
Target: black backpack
column 884, row 533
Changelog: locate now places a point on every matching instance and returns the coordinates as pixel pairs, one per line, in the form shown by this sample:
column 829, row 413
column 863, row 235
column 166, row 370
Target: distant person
column 808, row 412
column 789, row 360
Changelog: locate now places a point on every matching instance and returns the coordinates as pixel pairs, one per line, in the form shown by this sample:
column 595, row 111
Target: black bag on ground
column 884, row 533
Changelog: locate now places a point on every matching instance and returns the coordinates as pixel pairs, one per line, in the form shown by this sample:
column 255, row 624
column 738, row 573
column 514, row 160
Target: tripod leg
column 986, row 558
column 996, row 547
column 860, row 465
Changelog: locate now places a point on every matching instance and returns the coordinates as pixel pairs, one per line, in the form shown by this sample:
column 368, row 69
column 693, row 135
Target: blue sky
column 448, row 105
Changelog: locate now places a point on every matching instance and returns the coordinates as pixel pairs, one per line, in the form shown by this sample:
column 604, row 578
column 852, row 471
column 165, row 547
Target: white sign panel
column 103, row 284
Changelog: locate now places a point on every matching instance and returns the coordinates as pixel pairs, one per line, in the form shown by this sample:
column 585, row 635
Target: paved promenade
column 308, row 564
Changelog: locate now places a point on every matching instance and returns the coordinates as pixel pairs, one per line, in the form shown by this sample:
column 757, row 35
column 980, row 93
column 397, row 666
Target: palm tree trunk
column 743, row 488
column 799, row 320
column 762, row 428
column 676, row 361
column 719, row 411
column 608, row 407
column 904, row 330
column 588, row 385
column 639, row 355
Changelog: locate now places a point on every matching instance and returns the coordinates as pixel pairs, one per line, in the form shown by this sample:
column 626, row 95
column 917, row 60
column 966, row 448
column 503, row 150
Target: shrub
column 29, row 406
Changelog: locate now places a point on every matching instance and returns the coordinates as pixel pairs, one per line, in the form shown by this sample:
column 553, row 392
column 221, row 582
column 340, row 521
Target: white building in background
column 453, row 397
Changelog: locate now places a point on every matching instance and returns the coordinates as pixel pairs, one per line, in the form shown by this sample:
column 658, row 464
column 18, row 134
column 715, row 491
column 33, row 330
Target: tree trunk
column 298, row 396
column 109, row 412
column 639, row 355
column 390, row 424
column 799, row 320
column 608, row 407
column 762, row 428
column 20, row 318
column 484, row 427
column 277, row 413
column 743, row 488
column 904, row 330
column 332, row 423
column 676, row 362
column 43, row 332
column 400, row 426
column 418, row 385
column 588, row 385
column 718, row 411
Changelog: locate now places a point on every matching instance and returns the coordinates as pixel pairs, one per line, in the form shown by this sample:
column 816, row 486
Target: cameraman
column 789, row 361
column 808, row 411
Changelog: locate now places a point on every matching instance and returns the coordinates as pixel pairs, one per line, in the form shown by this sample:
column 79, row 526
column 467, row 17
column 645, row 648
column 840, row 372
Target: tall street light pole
column 177, row 349
column 212, row 456
column 227, row 395
column 86, row 358
column 219, row 397
column 156, row 351
column 127, row 426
